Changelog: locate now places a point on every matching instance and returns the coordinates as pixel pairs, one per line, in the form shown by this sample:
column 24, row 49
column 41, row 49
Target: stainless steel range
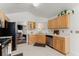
column 5, row 46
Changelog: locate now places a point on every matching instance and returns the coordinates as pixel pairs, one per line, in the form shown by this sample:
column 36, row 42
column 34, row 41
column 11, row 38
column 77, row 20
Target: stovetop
column 4, row 41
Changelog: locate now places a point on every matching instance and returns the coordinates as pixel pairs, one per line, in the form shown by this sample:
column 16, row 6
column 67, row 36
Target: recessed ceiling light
column 36, row 4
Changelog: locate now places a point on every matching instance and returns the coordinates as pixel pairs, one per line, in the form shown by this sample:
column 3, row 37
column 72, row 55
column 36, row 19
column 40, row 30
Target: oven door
column 6, row 50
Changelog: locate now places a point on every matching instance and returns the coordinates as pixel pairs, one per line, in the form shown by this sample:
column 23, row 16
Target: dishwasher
column 49, row 40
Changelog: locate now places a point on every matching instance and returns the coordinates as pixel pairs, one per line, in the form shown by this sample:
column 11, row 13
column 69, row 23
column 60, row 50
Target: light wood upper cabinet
column 59, row 22
column 64, row 21
column 31, row 25
column 56, row 23
column 50, row 23
column 3, row 18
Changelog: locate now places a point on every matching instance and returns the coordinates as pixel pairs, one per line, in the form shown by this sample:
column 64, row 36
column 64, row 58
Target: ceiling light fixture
column 36, row 4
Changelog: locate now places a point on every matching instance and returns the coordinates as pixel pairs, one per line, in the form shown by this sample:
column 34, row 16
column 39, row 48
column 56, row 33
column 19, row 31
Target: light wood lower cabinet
column 37, row 39
column 32, row 39
column 61, row 44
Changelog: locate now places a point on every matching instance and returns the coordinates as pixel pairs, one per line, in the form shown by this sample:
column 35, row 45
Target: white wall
column 74, row 37
column 23, row 17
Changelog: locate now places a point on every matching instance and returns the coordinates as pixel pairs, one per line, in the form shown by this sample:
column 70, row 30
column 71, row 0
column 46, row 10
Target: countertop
column 59, row 35
column 65, row 36
column 4, row 39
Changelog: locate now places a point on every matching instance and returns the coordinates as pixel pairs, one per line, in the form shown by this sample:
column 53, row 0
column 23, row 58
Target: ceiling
column 43, row 10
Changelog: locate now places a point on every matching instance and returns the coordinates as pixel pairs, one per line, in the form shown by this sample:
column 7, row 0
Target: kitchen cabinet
column 50, row 23
column 60, row 22
column 3, row 18
column 31, row 25
column 32, row 39
column 64, row 21
column 41, row 39
column 56, row 44
column 56, row 23
column 61, row 44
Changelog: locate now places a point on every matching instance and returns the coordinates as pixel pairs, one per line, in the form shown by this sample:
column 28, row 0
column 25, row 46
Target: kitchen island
column 37, row 39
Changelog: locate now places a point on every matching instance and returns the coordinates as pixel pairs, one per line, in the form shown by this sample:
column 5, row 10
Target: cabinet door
column 54, row 24
column 49, row 24
column 62, row 45
column 60, row 19
column 32, row 39
column 59, row 22
column 57, row 43
column 63, row 21
column 31, row 25
column 66, row 21
column 41, row 39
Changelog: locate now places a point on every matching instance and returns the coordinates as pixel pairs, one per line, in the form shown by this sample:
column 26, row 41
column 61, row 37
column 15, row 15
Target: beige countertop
column 53, row 35
column 61, row 36
column 65, row 36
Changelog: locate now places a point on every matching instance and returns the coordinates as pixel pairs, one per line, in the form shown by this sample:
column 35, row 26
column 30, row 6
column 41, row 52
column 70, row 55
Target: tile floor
column 29, row 50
